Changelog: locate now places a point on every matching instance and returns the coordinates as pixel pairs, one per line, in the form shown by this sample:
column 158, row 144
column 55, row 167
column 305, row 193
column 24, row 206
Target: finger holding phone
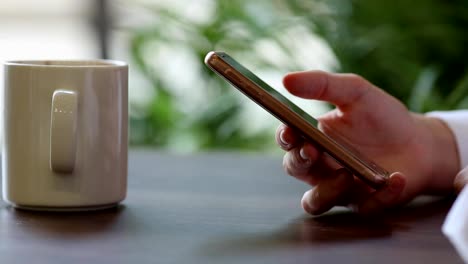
column 420, row 148
column 338, row 154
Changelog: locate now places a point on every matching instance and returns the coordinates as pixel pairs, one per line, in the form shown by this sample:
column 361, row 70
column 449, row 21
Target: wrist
column 443, row 155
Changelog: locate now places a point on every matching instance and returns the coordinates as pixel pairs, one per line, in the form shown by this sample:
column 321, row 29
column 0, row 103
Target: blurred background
column 415, row 50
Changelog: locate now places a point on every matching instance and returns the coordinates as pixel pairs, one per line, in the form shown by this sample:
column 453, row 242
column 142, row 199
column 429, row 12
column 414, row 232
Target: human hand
column 419, row 150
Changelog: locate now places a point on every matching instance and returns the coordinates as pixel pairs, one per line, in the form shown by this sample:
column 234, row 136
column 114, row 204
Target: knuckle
column 357, row 81
column 293, row 164
column 356, row 78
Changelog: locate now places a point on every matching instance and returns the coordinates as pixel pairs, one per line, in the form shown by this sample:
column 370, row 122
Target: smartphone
column 296, row 118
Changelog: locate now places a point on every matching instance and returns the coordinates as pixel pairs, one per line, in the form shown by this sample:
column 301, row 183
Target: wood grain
column 222, row 208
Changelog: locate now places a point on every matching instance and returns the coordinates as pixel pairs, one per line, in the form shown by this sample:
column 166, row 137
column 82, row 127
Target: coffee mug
column 65, row 134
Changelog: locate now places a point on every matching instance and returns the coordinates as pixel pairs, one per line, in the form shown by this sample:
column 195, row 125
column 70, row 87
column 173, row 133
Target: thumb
column 338, row 89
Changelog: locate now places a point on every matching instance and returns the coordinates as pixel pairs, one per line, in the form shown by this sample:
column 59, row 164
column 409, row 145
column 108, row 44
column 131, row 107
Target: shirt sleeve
column 457, row 121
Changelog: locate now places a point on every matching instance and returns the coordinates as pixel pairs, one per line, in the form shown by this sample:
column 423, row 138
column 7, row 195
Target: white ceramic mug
column 65, row 134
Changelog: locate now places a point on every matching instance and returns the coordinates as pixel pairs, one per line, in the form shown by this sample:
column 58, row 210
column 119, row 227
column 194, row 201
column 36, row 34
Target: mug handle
column 63, row 130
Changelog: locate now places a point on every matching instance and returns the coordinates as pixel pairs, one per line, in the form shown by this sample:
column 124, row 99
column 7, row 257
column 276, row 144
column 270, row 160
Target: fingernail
column 396, row 184
column 282, row 139
column 304, row 154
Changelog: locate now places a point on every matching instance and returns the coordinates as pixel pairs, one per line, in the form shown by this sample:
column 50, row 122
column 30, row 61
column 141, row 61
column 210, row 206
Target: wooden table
column 221, row 208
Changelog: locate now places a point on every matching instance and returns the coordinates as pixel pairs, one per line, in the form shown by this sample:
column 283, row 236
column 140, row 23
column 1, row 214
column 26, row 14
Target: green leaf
column 422, row 90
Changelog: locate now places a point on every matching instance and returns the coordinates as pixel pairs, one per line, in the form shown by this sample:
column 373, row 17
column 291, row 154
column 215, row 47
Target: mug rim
column 73, row 63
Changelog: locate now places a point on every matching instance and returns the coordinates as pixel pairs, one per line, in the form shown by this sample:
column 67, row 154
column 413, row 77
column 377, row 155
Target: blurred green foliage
column 415, row 50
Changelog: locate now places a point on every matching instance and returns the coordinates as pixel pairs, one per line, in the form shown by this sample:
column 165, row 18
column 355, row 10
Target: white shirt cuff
column 457, row 121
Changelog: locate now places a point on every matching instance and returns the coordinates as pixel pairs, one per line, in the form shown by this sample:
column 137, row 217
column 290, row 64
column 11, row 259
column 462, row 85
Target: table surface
column 221, row 208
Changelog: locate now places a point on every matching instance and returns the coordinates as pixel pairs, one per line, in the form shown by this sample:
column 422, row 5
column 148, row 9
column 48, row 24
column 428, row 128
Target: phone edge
column 340, row 153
